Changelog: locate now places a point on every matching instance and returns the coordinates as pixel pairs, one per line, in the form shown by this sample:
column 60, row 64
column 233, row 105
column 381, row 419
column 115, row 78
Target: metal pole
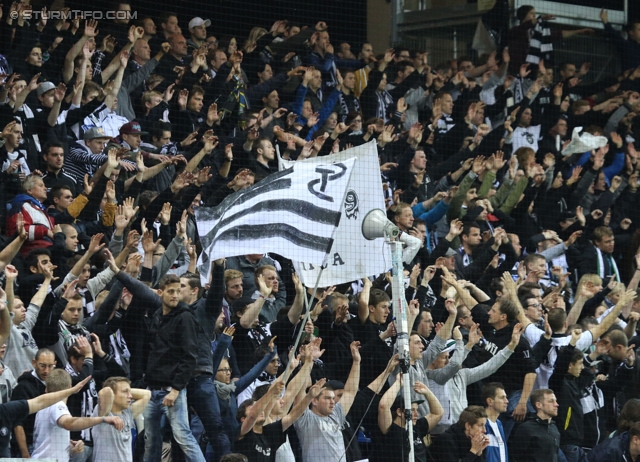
column 395, row 12
column 292, row 354
column 626, row 12
column 402, row 342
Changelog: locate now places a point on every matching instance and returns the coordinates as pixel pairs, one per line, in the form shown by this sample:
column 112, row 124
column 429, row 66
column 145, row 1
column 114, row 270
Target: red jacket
column 37, row 222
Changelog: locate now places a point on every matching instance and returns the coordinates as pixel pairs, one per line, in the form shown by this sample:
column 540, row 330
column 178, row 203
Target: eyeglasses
column 225, row 370
column 535, row 305
column 46, row 366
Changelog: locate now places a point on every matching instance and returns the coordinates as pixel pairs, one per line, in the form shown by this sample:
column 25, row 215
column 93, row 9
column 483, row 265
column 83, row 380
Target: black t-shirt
column 521, row 362
column 262, row 447
column 395, row 444
column 367, row 332
column 11, row 413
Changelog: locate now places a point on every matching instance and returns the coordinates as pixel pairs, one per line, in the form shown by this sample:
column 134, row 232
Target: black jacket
column 172, row 348
column 206, row 311
column 453, row 446
column 569, row 391
column 28, row 387
column 538, row 441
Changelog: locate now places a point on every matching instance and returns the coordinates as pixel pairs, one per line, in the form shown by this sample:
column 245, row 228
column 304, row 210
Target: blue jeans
column 507, row 421
column 202, row 396
column 178, row 417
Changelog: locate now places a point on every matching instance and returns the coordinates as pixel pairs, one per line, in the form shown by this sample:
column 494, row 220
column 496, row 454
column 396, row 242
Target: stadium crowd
column 519, row 181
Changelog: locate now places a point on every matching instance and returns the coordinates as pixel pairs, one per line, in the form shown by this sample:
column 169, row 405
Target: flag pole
column 292, row 353
column 325, row 260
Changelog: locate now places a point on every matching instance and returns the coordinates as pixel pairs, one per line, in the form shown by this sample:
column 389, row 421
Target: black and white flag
column 352, row 256
column 293, row 213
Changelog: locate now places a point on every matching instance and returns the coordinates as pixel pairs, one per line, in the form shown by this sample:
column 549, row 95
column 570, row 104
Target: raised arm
column 123, row 59
column 94, row 247
column 105, row 401
column 509, row 288
column 298, row 302
column 436, row 411
column 363, row 301
column 275, row 390
column 141, row 399
column 353, row 382
column 447, row 329
column 49, row 399
column 74, row 51
column 296, row 384
column 253, row 310
column 600, row 329
column 303, row 405
column 5, row 318
column 465, row 296
column 385, row 417
column 379, row 382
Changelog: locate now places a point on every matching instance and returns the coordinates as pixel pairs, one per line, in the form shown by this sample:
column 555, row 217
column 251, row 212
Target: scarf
column 68, row 334
column 540, row 45
column 224, row 391
column 344, row 105
column 236, row 97
column 266, row 377
column 612, row 266
column 384, row 101
column 89, row 399
column 119, row 350
column 20, row 199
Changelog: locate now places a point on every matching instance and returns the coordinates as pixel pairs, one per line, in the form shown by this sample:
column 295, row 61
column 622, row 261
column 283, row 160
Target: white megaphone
column 376, row 224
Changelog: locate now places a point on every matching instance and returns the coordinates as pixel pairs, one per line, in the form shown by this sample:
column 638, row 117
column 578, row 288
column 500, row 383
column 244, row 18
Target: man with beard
column 474, row 256
column 249, row 266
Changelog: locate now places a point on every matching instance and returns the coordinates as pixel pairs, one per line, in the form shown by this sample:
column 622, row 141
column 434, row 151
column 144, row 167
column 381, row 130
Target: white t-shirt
column 110, row 444
column 285, row 453
column 526, row 137
column 49, row 440
column 321, row 437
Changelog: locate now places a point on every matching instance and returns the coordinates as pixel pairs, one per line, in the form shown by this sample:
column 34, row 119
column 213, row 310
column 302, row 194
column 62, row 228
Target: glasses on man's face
column 225, row 370
column 46, row 366
column 535, row 305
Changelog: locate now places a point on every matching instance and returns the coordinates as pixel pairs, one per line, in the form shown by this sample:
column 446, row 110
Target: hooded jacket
column 612, row 449
column 539, row 441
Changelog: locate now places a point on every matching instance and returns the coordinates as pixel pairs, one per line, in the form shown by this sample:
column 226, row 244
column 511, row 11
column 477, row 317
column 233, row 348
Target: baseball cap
column 132, row 128
column 241, row 303
column 95, row 132
column 335, row 384
column 450, row 252
column 45, row 87
column 197, row 21
column 569, row 215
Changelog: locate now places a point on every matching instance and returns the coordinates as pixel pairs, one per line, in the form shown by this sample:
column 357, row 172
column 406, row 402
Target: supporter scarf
column 21, row 199
column 612, row 263
column 224, row 391
column 266, row 377
column 89, row 399
column 119, row 350
column 236, row 97
column 345, row 106
column 540, row 45
column 68, row 333
column 384, row 101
